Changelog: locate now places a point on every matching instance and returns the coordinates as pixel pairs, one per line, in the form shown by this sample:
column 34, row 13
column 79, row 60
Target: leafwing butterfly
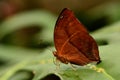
column 72, row 41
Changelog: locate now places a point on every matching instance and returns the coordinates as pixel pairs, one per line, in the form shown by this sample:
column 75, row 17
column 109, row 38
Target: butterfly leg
column 57, row 63
column 72, row 66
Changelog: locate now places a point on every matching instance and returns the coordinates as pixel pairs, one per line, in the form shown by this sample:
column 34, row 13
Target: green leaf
column 42, row 19
column 39, row 65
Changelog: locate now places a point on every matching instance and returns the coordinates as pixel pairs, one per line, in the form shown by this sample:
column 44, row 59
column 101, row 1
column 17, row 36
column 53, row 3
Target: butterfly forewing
column 65, row 26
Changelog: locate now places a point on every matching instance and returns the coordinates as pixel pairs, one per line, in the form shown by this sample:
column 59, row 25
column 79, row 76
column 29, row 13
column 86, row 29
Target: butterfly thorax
column 60, row 58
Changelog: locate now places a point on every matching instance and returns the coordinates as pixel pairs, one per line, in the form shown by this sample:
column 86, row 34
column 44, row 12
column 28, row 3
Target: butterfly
column 72, row 41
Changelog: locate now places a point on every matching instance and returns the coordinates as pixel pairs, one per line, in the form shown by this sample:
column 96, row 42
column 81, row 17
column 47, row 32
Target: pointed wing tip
column 66, row 9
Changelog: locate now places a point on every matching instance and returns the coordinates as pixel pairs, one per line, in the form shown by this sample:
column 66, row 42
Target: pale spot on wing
column 61, row 17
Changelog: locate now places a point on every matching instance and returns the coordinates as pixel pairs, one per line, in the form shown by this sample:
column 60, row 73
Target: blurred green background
column 26, row 37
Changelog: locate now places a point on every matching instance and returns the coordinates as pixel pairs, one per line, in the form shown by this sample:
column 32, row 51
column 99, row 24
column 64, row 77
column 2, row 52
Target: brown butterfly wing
column 80, row 49
column 72, row 41
column 66, row 25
